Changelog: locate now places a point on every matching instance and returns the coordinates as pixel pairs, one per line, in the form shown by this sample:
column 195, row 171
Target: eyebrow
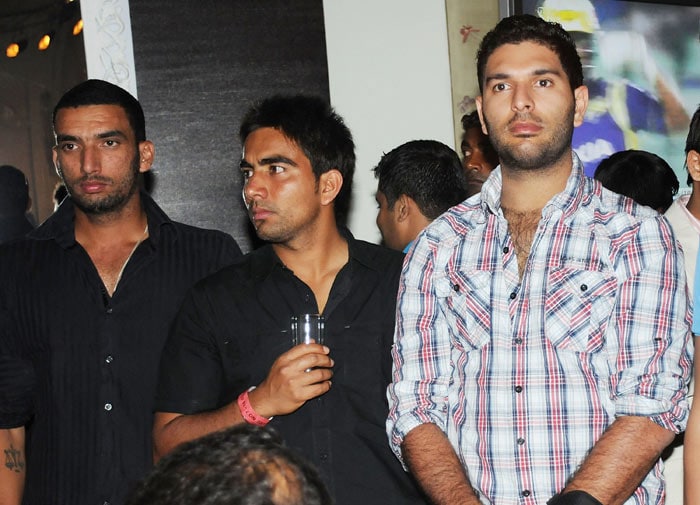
column 62, row 137
column 272, row 160
column 537, row 72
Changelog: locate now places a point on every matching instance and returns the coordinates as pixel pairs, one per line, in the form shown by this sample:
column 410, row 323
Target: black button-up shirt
column 79, row 366
column 234, row 324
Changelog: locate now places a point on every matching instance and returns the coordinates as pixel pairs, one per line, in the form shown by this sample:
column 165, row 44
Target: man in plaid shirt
column 542, row 339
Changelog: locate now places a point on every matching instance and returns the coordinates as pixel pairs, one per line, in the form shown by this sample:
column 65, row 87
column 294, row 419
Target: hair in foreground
column 243, row 465
column 529, row 28
column 312, row 124
column 644, row 177
column 97, row 92
column 427, row 171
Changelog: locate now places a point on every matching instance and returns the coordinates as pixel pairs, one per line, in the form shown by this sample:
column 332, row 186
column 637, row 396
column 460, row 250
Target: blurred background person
column 643, row 176
column 417, row 181
column 14, row 204
column 478, row 155
column 684, row 216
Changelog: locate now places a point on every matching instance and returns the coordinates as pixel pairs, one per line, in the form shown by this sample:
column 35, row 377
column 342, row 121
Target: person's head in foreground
column 243, row 465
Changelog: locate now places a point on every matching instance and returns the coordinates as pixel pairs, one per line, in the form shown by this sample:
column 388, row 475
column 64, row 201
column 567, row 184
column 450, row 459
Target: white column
column 109, row 50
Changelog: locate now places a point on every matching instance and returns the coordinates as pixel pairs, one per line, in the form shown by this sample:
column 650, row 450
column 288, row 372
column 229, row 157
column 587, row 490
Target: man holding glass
column 231, row 357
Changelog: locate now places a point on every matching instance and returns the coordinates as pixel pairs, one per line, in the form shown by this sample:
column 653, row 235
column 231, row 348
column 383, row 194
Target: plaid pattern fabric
column 524, row 375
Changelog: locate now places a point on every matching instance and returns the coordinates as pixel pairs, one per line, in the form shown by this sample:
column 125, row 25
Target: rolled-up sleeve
column 421, row 352
column 649, row 341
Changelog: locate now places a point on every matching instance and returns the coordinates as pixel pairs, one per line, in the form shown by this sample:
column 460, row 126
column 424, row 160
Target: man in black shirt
column 86, row 301
column 232, row 333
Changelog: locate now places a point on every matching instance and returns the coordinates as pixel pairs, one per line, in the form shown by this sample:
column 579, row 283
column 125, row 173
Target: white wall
column 388, row 67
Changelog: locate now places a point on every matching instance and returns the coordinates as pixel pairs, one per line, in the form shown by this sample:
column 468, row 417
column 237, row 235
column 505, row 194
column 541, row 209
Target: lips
column 524, row 128
column 258, row 213
column 92, row 186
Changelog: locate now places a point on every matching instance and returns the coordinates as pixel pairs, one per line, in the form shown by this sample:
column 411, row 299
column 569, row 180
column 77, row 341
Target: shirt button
column 108, row 407
column 526, row 493
column 584, row 287
column 518, row 389
column 521, row 441
column 109, row 359
column 513, row 295
column 518, row 340
column 324, row 456
column 110, row 310
column 456, row 287
column 505, row 250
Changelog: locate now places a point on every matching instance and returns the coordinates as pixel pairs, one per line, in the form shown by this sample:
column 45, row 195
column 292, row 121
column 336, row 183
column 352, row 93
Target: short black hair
column 14, row 191
column 427, row 171
column 529, row 28
column 692, row 142
column 643, row 176
column 312, row 124
column 470, row 121
column 242, row 465
column 98, row 92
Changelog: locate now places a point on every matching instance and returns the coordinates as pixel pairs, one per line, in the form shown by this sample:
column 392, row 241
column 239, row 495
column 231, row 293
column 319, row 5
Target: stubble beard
column 109, row 203
column 535, row 157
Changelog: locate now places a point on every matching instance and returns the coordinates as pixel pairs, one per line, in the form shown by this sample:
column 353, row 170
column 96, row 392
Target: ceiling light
column 45, row 41
column 15, row 48
column 78, row 27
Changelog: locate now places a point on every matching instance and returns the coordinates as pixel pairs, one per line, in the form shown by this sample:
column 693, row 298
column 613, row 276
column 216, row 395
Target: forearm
column 172, row 429
column 435, row 465
column 13, row 471
column 620, row 460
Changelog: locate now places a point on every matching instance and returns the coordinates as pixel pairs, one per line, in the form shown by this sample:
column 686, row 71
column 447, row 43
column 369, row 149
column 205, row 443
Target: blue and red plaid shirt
column 524, row 375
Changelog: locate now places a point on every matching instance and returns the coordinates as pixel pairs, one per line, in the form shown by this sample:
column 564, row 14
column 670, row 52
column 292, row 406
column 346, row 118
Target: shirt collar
column 59, row 226
column 567, row 201
column 264, row 260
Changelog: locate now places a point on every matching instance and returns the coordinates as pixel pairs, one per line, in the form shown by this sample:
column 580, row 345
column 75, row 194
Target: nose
column 475, row 161
column 522, row 99
column 254, row 189
column 90, row 162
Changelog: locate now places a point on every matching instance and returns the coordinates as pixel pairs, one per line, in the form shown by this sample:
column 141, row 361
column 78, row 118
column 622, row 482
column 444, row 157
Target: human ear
column 330, row 184
column 580, row 104
column 147, row 152
column 692, row 160
column 479, row 110
column 402, row 207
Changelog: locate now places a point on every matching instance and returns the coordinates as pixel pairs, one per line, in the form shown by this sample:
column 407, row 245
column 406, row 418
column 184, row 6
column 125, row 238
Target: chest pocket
column 465, row 300
column 577, row 308
column 247, row 356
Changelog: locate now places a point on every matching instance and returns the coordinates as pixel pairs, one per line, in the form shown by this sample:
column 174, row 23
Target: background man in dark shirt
column 14, row 204
column 328, row 401
column 417, row 181
column 85, row 303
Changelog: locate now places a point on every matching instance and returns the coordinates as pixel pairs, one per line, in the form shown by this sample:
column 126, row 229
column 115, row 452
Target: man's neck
column 316, row 260
column 526, row 191
column 122, row 225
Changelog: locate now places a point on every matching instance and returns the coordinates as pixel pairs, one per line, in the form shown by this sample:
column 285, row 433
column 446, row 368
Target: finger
column 303, row 349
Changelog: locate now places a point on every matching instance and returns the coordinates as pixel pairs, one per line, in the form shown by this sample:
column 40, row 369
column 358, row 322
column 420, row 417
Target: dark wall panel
column 199, row 65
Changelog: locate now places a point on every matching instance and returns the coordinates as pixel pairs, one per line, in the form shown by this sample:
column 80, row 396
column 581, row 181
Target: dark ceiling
column 18, row 15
